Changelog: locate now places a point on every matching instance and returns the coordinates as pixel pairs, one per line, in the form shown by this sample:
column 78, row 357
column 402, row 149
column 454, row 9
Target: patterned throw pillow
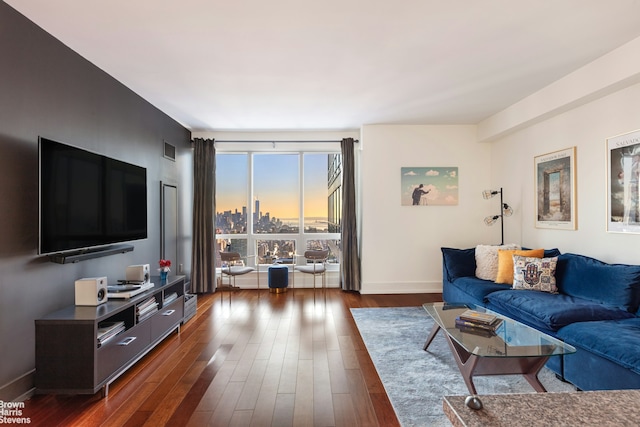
column 536, row 274
column 505, row 263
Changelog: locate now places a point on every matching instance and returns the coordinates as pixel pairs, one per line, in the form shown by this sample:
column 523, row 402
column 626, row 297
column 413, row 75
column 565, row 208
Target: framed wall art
column 623, row 191
column 429, row 186
column 555, row 190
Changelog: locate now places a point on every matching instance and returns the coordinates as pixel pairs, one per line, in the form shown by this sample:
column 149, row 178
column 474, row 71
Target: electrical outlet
column 179, row 268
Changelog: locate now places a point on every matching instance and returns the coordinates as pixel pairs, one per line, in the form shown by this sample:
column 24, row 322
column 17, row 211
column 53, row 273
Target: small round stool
column 278, row 278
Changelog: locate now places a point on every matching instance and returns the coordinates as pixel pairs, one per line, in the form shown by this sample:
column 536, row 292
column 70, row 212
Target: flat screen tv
column 88, row 200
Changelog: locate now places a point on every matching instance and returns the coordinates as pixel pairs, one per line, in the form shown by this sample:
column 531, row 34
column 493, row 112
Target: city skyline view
column 235, row 222
column 276, row 185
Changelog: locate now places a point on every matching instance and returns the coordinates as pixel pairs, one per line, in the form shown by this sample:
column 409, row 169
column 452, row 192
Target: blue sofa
column 595, row 310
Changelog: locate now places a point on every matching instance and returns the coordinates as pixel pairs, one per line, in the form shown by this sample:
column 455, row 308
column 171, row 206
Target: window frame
column 301, row 238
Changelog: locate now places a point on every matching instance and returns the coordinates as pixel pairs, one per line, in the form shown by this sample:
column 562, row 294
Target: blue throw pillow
column 459, row 262
column 548, row 253
column 617, row 285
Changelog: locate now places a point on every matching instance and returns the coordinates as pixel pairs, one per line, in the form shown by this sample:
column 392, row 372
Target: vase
column 163, row 275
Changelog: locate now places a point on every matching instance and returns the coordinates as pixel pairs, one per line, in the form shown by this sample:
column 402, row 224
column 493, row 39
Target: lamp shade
column 490, row 220
column 487, row 194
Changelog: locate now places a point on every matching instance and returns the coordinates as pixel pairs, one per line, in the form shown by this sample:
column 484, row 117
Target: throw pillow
column 505, row 262
column 536, row 274
column 487, row 260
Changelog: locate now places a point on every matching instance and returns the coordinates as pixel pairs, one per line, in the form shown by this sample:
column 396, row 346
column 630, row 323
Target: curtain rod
column 272, row 141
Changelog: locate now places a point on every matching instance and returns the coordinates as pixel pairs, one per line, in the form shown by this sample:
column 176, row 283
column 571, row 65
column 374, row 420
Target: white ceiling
column 335, row 64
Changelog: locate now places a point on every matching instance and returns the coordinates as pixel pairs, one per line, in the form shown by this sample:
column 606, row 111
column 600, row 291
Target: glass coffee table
column 511, row 349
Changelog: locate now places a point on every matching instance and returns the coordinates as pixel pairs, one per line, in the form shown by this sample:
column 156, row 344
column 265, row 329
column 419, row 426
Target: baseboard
column 19, row 389
column 401, row 288
column 250, row 281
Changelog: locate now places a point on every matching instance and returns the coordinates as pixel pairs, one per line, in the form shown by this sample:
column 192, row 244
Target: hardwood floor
column 248, row 358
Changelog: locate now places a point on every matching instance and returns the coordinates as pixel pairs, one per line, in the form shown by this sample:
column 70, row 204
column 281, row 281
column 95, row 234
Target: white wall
column 582, row 109
column 586, row 127
column 400, row 245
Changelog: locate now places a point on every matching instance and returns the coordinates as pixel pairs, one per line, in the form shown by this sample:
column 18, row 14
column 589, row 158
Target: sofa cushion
column 505, row 262
column 618, row 341
column 535, row 274
column 471, row 289
column 459, row 263
column 551, row 311
column 617, row 285
column 487, row 260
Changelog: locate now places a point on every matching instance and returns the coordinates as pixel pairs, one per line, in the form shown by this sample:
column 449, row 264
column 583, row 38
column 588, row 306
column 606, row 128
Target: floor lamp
column 505, row 210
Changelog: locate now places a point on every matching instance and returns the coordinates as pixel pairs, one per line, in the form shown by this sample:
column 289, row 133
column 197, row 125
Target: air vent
column 169, row 151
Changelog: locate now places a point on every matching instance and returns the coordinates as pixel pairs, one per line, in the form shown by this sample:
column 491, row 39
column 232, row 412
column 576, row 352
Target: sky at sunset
column 276, row 183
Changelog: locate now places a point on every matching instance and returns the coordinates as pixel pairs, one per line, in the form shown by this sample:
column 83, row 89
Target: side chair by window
column 316, row 265
column 232, row 266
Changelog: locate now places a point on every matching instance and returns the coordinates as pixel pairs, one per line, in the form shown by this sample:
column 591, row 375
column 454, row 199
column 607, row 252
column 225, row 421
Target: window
column 272, row 206
column 276, row 251
column 232, row 190
column 316, row 193
column 276, row 194
column 335, row 192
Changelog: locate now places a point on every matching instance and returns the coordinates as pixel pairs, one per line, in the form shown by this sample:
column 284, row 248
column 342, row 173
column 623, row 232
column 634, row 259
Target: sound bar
column 77, row 256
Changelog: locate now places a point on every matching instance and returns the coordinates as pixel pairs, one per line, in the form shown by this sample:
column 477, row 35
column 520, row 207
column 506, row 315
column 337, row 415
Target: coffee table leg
column 532, row 375
column 466, row 362
column 432, row 335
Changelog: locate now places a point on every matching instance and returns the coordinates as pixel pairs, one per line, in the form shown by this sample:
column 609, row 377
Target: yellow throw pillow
column 505, row 262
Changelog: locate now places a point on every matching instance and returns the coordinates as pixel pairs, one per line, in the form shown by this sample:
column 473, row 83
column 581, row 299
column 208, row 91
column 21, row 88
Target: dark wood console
column 71, row 360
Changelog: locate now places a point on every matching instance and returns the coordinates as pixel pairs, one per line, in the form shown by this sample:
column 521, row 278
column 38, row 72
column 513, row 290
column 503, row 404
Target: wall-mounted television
column 88, row 200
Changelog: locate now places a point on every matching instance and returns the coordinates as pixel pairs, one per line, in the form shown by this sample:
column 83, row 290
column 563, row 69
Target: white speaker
column 91, row 291
column 138, row 273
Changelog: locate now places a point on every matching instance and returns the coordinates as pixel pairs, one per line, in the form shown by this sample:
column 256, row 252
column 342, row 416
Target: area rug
column 415, row 380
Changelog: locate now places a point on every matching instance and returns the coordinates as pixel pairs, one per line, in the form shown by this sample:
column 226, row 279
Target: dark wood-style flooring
column 248, row 358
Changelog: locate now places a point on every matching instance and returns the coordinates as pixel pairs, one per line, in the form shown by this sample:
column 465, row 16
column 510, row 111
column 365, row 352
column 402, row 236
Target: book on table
column 478, row 317
column 461, row 323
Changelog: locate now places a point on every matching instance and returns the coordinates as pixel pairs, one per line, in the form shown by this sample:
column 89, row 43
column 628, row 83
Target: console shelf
column 69, row 358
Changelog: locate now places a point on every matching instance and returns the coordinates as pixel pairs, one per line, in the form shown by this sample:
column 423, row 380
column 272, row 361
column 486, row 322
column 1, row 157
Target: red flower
column 165, row 263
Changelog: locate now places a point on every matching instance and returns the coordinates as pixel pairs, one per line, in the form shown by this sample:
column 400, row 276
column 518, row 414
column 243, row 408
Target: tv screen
column 88, row 200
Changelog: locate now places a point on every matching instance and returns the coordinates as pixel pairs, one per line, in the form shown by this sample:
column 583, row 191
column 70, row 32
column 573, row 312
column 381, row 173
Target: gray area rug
column 415, row 380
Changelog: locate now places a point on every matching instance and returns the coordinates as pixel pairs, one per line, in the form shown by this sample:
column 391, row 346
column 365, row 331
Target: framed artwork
column 429, row 186
column 623, row 191
column 555, row 190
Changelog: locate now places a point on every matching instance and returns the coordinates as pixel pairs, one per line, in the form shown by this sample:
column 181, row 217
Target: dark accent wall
column 49, row 90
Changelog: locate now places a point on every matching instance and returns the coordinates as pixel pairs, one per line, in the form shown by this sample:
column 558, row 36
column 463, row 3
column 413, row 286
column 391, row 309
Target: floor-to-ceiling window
column 272, row 206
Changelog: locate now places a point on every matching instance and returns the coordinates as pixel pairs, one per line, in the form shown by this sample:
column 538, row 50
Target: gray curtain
column 350, row 262
column 204, row 196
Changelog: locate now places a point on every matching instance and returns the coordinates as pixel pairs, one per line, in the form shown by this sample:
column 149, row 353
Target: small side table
column 278, row 278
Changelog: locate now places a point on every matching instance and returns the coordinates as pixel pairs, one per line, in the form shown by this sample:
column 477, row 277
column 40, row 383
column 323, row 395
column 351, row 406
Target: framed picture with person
column 429, row 186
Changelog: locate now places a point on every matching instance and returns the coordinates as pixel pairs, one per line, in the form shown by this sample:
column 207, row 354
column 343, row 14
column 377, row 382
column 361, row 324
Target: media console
column 70, row 357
